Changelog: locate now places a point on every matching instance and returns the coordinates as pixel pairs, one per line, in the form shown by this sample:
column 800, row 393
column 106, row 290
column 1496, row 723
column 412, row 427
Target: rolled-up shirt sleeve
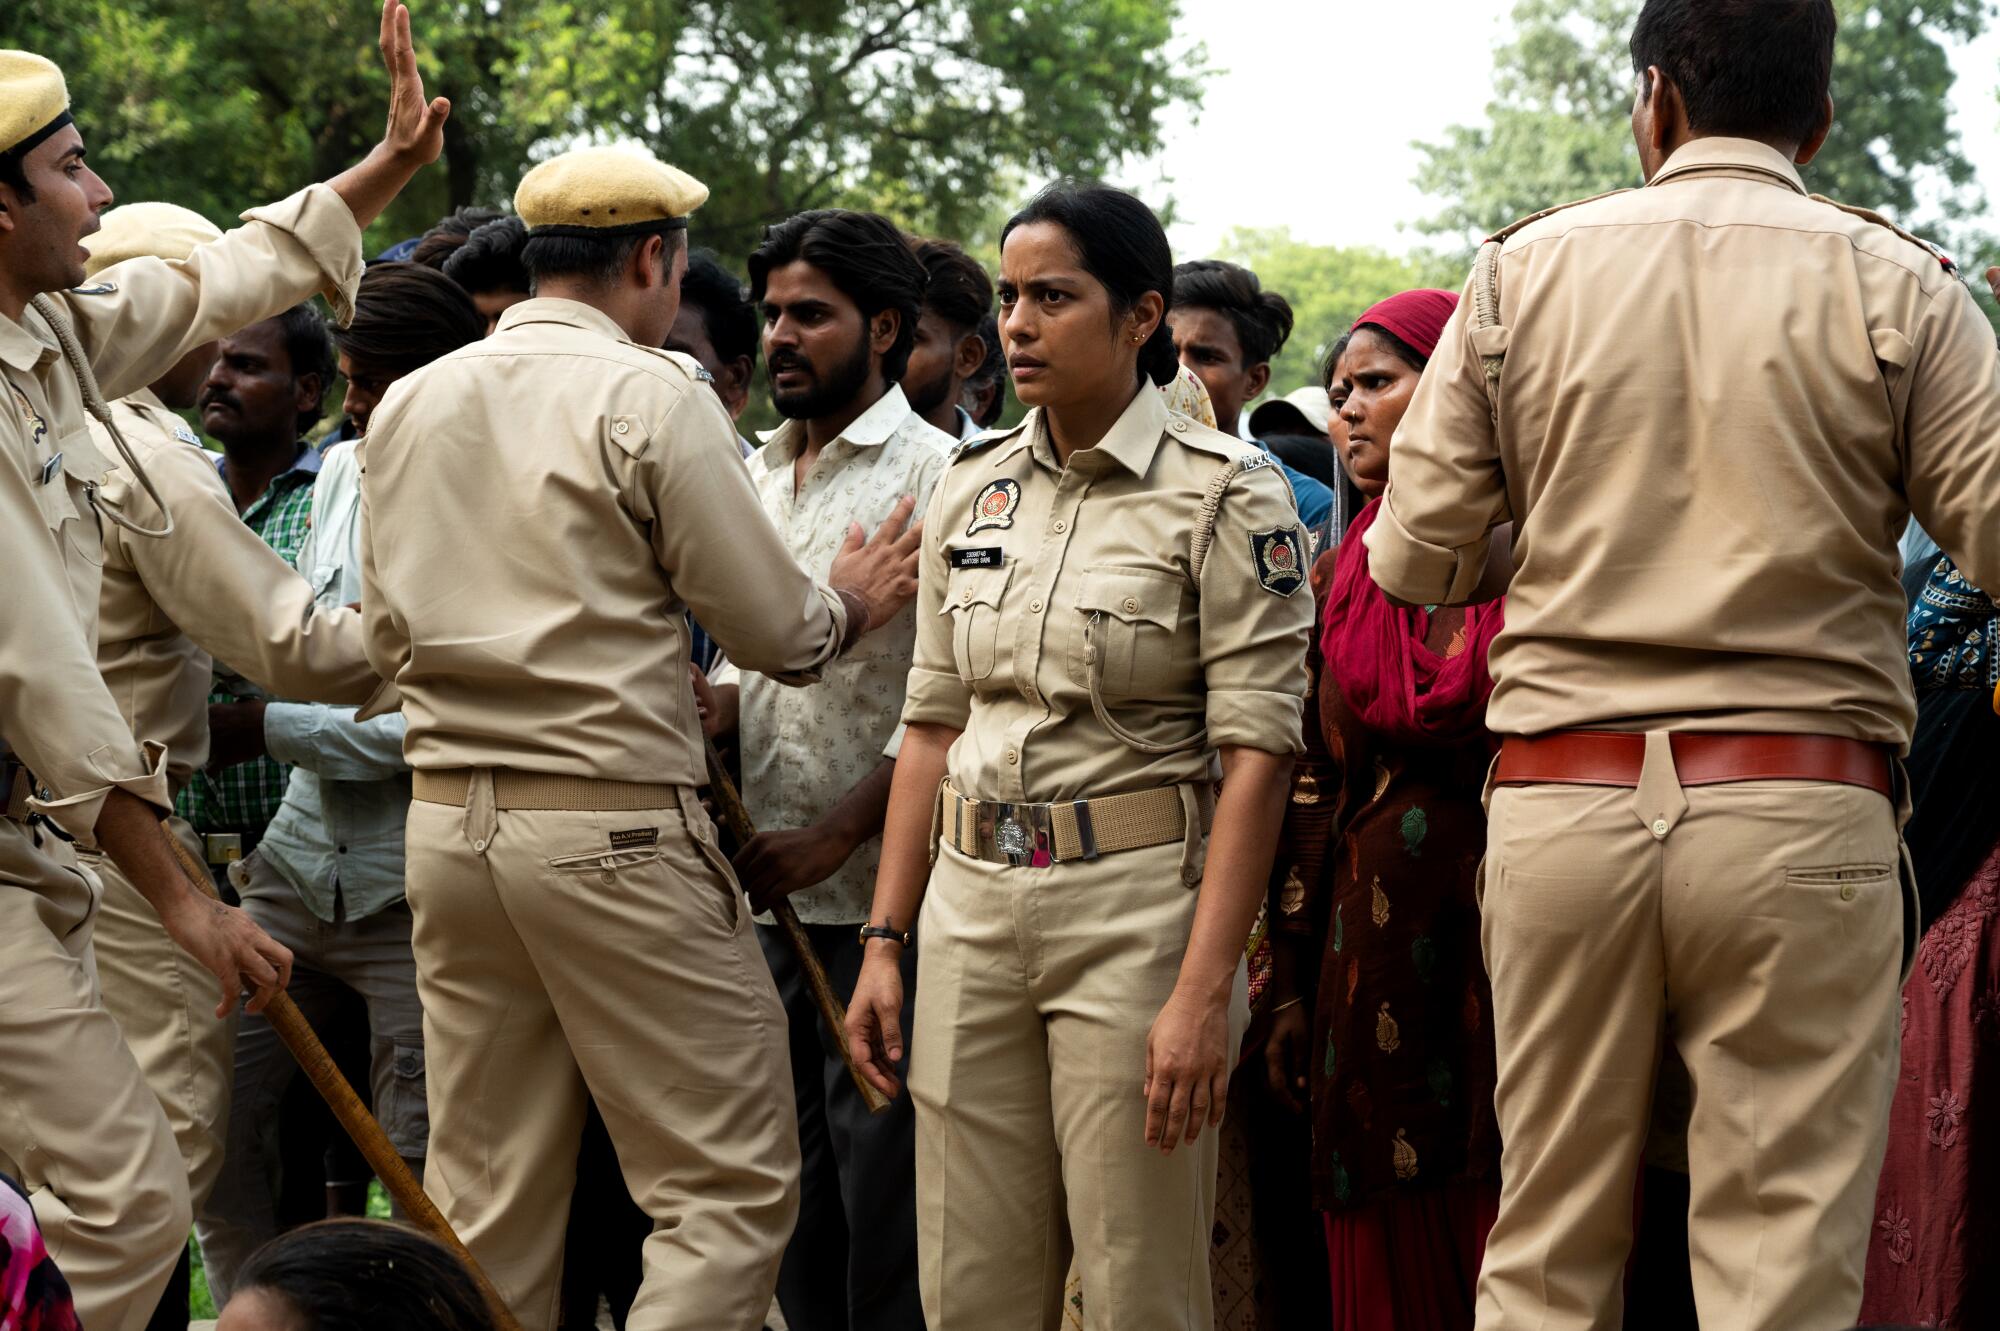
column 1447, row 490
column 137, row 318
column 1254, row 627
column 937, row 694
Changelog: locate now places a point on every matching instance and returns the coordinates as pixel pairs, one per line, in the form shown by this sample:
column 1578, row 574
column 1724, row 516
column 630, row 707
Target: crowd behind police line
column 1276, row 878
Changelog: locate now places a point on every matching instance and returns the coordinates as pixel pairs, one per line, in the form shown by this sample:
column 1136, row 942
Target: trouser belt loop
column 1658, row 802
column 482, row 818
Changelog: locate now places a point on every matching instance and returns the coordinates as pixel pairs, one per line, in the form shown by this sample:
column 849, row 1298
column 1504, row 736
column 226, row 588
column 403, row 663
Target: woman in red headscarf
column 1381, row 1003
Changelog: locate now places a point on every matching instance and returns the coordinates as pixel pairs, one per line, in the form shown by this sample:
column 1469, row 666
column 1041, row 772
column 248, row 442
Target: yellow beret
column 34, row 101
column 606, row 191
column 162, row 230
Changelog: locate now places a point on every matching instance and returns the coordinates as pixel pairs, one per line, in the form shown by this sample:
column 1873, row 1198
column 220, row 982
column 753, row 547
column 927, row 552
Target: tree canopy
column 1557, row 128
column 923, row 108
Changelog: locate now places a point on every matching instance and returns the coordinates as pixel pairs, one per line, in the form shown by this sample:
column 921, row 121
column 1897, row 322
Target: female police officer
column 1109, row 609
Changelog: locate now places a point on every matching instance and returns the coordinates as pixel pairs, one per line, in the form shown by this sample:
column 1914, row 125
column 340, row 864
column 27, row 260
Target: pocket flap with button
column 976, row 586
column 628, row 433
column 1136, row 596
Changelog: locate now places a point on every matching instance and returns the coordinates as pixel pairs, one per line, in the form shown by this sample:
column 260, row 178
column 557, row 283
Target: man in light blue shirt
column 327, row 877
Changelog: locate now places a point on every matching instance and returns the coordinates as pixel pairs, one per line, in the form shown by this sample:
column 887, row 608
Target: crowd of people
column 1482, row 839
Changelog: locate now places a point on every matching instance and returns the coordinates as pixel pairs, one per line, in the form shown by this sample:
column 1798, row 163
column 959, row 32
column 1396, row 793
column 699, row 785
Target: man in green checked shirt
column 264, row 393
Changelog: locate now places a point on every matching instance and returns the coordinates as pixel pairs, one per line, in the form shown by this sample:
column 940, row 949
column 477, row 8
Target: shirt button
column 1180, row 425
column 1061, row 526
column 620, row 427
column 1035, row 606
column 1013, row 757
column 965, row 597
column 1131, row 606
column 1847, row 891
column 1660, row 828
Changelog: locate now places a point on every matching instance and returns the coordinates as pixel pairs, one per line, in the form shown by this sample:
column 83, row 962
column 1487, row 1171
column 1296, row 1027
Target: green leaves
column 942, row 111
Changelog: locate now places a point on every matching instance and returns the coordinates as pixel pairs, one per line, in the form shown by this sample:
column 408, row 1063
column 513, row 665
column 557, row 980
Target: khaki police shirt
column 211, row 587
column 539, row 512
column 1037, row 578
column 133, row 323
column 1720, row 402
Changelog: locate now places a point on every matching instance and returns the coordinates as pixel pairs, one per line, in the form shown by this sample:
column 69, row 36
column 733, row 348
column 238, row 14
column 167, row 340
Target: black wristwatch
column 869, row 931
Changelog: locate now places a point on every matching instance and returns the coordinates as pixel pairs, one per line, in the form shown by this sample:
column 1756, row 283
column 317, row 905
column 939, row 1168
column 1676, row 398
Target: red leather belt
column 1614, row 758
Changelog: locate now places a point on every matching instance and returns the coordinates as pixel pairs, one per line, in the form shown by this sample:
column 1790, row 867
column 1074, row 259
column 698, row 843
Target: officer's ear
column 650, row 265
column 1817, row 139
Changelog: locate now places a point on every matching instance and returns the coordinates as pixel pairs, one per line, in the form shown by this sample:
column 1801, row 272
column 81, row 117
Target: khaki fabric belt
column 543, row 790
column 1015, row 834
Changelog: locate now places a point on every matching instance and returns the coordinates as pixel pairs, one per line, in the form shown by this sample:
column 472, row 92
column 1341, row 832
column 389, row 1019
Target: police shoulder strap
column 1869, row 215
column 94, row 403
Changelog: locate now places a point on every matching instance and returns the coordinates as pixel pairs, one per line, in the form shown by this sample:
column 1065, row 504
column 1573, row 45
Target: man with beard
column 840, row 294
column 949, row 350
column 263, row 394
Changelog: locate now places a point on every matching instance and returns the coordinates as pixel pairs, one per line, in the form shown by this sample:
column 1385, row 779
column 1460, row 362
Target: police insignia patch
column 185, row 435
column 995, row 506
column 1280, row 560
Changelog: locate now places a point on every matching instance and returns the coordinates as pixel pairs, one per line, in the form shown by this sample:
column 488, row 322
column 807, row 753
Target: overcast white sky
column 1311, row 122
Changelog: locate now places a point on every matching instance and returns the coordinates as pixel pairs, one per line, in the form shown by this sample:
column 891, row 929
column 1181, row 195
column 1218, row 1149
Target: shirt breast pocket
column 973, row 599
column 1129, row 620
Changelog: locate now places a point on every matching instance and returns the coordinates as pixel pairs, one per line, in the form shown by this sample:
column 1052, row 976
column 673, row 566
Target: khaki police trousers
column 1759, row 928
column 554, row 960
column 78, row 1126
column 1037, row 988
column 164, row 1000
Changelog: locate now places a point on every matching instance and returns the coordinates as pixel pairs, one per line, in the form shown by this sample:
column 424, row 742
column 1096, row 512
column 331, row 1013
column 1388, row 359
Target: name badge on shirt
column 52, row 469
column 978, row 556
column 185, row 435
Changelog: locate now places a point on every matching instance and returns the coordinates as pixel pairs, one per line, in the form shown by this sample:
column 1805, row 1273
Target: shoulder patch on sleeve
column 185, row 435
column 1278, row 553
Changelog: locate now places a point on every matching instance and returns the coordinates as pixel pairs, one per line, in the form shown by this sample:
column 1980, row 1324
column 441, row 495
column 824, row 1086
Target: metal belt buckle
column 1016, row 830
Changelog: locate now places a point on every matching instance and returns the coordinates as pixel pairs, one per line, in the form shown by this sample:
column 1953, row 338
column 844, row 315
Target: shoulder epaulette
column 1870, row 215
column 984, row 439
column 1504, row 232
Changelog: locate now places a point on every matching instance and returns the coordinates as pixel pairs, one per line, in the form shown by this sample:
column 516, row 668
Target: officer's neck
column 1076, row 426
column 823, row 430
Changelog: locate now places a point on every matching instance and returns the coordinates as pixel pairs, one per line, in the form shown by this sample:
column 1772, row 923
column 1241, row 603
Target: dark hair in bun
column 1120, row 243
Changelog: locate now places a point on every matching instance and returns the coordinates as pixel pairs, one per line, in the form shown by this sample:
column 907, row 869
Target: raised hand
column 416, row 125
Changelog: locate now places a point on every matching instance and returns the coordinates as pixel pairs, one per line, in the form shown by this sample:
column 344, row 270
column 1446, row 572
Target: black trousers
column 852, row 1261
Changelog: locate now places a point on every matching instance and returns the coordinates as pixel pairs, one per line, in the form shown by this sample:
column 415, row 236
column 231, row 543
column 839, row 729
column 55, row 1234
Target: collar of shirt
column 871, row 429
column 304, row 468
column 1131, row 441
column 1733, row 157
column 24, row 348
column 555, row 310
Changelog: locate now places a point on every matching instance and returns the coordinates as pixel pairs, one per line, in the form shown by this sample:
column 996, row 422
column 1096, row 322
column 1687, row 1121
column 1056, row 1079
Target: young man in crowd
column 841, row 294
column 327, row 878
column 264, row 393
column 949, row 350
column 1227, row 328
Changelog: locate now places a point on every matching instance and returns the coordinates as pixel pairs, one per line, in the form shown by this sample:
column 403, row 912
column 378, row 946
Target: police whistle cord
column 360, row 1125
column 737, row 819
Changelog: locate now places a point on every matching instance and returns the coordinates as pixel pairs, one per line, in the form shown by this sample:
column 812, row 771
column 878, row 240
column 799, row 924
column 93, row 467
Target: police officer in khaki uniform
column 540, row 511
column 1708, row 406
column 77, row 1123
column 166, row 605
column 1111, row 608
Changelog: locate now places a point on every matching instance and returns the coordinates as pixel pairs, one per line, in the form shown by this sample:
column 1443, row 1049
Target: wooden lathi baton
column 737, row 819
column 360, row 1125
